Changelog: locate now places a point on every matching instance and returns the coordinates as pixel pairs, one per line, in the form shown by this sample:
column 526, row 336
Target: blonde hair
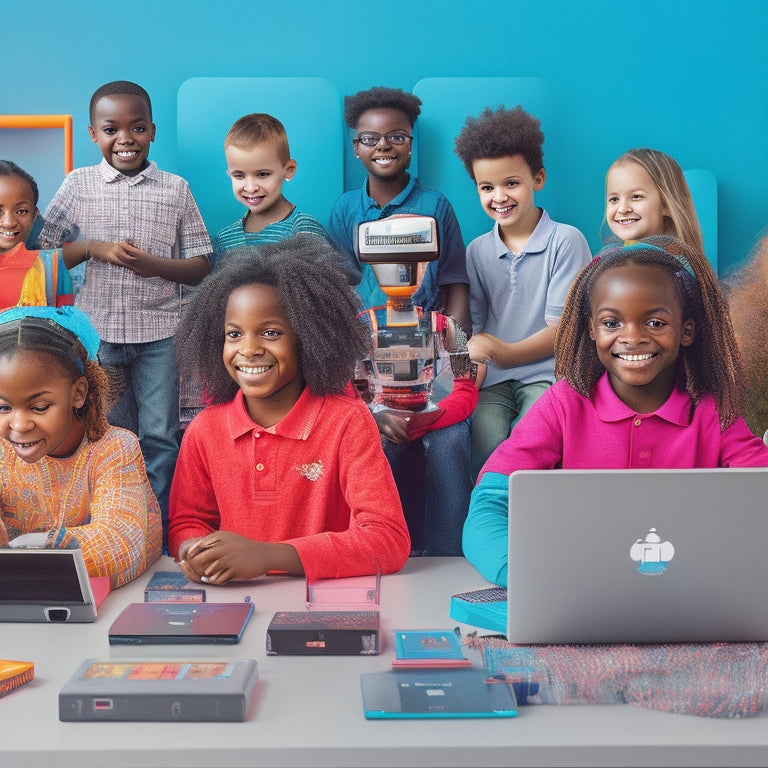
column 667, row 176
column 256, row 129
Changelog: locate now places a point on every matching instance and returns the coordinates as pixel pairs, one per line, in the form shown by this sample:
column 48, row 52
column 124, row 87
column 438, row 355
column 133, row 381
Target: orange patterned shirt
column 99, row 496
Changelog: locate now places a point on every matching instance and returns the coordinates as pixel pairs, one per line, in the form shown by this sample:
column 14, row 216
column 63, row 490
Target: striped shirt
column 153, row 210
column 99, row 496
column 235, row 236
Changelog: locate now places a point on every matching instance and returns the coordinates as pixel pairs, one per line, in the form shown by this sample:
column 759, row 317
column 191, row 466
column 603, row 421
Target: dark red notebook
column 182, row 623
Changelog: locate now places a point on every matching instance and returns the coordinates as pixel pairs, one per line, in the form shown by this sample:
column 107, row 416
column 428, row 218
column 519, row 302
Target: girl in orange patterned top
column 67, row 478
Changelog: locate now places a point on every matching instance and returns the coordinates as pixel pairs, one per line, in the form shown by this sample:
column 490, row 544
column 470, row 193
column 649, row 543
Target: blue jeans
column 499, row 408
column 432, row 477
column 149, row 406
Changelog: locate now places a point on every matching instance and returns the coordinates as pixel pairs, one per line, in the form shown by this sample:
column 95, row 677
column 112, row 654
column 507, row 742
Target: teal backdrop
column 688, row 78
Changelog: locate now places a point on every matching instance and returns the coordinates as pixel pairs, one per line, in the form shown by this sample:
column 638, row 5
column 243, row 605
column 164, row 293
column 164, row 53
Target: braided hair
column 33, row 334
column 712, row 363
column 319, row 303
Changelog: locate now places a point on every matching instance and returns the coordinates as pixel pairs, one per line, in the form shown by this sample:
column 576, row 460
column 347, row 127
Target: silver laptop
column 45, row 585
column 647, row 556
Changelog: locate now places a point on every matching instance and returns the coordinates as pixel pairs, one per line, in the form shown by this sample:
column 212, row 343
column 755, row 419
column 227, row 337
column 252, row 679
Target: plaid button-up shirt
column 155, row 211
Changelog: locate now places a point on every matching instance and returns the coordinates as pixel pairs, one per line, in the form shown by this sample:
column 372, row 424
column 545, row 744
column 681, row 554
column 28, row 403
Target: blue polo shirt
column 357, row 206
column 514, row 295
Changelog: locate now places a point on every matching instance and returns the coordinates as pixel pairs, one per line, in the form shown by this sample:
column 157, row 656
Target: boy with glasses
column 382, row 120
column 430, row 464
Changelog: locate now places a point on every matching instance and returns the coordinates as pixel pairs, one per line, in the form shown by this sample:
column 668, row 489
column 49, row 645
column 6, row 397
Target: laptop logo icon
column 652, row 554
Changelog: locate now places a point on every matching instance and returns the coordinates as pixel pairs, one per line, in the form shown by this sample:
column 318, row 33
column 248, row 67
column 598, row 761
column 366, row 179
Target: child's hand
column 224, row 556
column 103, row 250
column 139, row 261
column 482, row 347
column 392, row 426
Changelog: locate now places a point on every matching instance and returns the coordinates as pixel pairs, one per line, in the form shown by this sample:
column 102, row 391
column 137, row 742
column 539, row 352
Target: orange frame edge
column 45, row 121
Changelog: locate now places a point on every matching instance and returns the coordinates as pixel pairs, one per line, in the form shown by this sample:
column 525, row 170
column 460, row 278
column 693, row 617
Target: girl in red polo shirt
column 284, row 471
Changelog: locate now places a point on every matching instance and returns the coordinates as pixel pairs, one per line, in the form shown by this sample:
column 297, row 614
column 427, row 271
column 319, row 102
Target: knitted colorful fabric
column 727, row 680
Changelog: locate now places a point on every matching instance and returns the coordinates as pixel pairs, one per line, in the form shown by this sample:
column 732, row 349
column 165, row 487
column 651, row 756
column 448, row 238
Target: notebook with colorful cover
column 425, row 648
column 14, row 674
column 39, row 585
column 170, row 690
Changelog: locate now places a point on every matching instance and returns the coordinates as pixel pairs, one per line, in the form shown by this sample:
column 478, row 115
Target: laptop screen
column 34, row 576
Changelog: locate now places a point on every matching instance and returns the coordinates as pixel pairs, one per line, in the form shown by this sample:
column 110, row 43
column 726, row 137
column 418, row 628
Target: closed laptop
column 180, row 623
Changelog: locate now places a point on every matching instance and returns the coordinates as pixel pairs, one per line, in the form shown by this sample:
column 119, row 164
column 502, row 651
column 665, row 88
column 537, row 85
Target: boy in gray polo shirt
column 519, row 272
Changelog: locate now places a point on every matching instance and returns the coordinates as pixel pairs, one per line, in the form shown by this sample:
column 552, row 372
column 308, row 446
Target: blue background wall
column 685, row 77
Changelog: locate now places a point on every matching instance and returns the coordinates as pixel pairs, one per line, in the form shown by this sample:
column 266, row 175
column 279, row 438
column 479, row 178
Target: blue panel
column 308, row 107
column 703, row 186
column 40, row 152
column 447, row 102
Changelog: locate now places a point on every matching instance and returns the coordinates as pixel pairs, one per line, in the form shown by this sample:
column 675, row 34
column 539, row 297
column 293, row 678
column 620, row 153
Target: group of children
column 286, row 469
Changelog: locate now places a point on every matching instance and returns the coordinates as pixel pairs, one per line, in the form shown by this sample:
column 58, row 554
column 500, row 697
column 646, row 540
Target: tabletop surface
column 308, row 710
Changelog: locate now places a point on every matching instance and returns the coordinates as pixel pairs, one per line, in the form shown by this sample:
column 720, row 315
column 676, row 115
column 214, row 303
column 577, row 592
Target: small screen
column 29, row 576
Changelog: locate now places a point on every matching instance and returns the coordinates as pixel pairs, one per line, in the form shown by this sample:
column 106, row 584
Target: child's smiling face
column 123, row 128
column 257, row 175
column 261, row 352
column 637, row 325
column 506, row 186
column 634, row 208
column 385, row 160
column 37, row 402
column 17, row 211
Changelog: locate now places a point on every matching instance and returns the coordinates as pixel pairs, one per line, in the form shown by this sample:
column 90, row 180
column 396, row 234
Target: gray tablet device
column 45, row 585
column 435, row 693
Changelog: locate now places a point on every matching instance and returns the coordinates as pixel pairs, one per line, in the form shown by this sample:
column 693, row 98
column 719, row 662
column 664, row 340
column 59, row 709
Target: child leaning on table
column 140, row 233
column 649, row 377
column 284, row 471
column 67, row 478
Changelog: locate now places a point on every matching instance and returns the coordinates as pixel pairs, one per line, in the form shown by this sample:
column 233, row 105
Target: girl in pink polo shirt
column 284, row 471
column 649, row 376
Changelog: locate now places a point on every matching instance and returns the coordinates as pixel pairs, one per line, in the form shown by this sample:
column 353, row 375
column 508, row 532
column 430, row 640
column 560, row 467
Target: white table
column 308, row 712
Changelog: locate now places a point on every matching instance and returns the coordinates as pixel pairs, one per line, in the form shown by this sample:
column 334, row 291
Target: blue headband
column 639, row 245
column 70, row 319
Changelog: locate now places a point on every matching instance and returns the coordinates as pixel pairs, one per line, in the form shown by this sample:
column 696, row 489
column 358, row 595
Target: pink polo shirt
column 566, row 430
column 318, row 480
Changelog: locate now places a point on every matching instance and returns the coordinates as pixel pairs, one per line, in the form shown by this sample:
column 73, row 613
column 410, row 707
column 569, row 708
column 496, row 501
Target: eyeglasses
column 372, row 139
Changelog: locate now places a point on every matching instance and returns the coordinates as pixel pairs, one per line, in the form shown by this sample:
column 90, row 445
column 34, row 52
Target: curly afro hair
column 501, row 133
column 319, row 303
column 380, row 98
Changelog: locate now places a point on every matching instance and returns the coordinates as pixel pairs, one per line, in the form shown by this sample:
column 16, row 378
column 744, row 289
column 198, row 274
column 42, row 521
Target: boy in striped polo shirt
column 258, row 163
